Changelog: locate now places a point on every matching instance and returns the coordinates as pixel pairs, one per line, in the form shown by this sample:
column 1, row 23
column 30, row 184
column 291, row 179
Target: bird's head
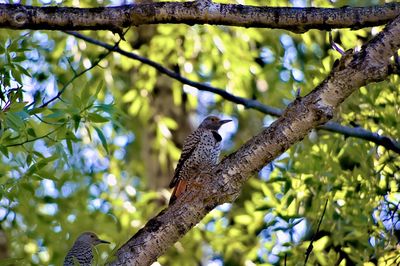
column 213, row 122
column 91, row 238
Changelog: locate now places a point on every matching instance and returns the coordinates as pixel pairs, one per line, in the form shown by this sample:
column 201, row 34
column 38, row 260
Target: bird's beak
column 103, row 241
column 221, row 122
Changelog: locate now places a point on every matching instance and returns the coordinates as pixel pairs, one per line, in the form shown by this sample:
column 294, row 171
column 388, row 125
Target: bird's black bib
column 217, row 136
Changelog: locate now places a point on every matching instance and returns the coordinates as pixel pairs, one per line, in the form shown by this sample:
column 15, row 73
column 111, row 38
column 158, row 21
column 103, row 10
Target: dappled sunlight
column 90, row 138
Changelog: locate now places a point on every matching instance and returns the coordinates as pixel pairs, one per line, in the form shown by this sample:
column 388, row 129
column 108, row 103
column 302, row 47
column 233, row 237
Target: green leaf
column 29, row 159
column 31, row 132
column 108, row 108
column 8, row 59
column 88, row 132
column 102, row 139
column 77, row 101
column 99, row 88
column 70, row 135
column 4, row 150
column 243, row 219
column 13, row 45
column 17, row 106
column 16, row 75
column 21, row 50
column 40, row 164
column 37, row 110
column 92, row 99
column 6, row 79
column 23, row 115
column 77, row 120
column 169, row 122
column 14, row 121
column 93, row 117
column 88, row 99
column 19, row 58
column 69, row 145
column 38, row 154
column 56, row 114
column 23, row 70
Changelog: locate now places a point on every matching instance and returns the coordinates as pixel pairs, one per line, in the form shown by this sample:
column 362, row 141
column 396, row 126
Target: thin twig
column 362, row 133
column 298, row 92
column 77, row 75
column 34, row 139
column 310, row 247
column 44, row 121
column 334, row 45
column 358, row 132
column 70, row 65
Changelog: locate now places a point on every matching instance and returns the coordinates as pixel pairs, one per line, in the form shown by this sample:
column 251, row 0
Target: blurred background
column 101, row 155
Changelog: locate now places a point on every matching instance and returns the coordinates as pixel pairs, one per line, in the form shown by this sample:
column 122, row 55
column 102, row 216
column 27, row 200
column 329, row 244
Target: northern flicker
column 82, row 250
column 200, row 152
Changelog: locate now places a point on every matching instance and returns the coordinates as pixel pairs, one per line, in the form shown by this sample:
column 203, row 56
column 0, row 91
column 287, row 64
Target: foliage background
column 100, row 158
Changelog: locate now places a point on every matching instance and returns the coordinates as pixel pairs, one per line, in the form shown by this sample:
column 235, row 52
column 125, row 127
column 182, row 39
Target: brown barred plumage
column 200, row 152
column 82, row 250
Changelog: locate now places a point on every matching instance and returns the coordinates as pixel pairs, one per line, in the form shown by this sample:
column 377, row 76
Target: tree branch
column 196, row 12
column 361, row 133
column 358, row 132
column 34, row 139
column 223, row 183
column 77, row 75
column 310, row 246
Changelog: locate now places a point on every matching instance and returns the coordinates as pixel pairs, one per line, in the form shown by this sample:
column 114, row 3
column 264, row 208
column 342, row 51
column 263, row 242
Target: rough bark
column 195, row 12
column 223, row 183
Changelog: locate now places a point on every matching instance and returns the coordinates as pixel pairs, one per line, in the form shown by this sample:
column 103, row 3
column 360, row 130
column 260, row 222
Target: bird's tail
column 178, row 190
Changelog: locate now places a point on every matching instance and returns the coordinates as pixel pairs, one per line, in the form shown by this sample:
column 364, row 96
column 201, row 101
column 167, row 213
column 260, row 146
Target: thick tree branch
column 223, row 183
column 195, row 12
column 358, row 132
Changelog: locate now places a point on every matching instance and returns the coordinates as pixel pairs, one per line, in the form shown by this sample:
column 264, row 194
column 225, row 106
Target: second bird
column 200, row 152
column 82, row 250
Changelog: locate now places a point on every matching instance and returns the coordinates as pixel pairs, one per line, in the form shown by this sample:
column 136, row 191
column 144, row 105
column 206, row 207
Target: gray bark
column 194, row 12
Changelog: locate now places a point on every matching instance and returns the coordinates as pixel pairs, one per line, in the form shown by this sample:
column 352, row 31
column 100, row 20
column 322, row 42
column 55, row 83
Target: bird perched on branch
column 82, row 250
column 200, row 152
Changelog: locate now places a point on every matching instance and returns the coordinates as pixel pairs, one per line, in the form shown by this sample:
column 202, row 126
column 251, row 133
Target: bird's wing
column 189, row 145
column 178, row 190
